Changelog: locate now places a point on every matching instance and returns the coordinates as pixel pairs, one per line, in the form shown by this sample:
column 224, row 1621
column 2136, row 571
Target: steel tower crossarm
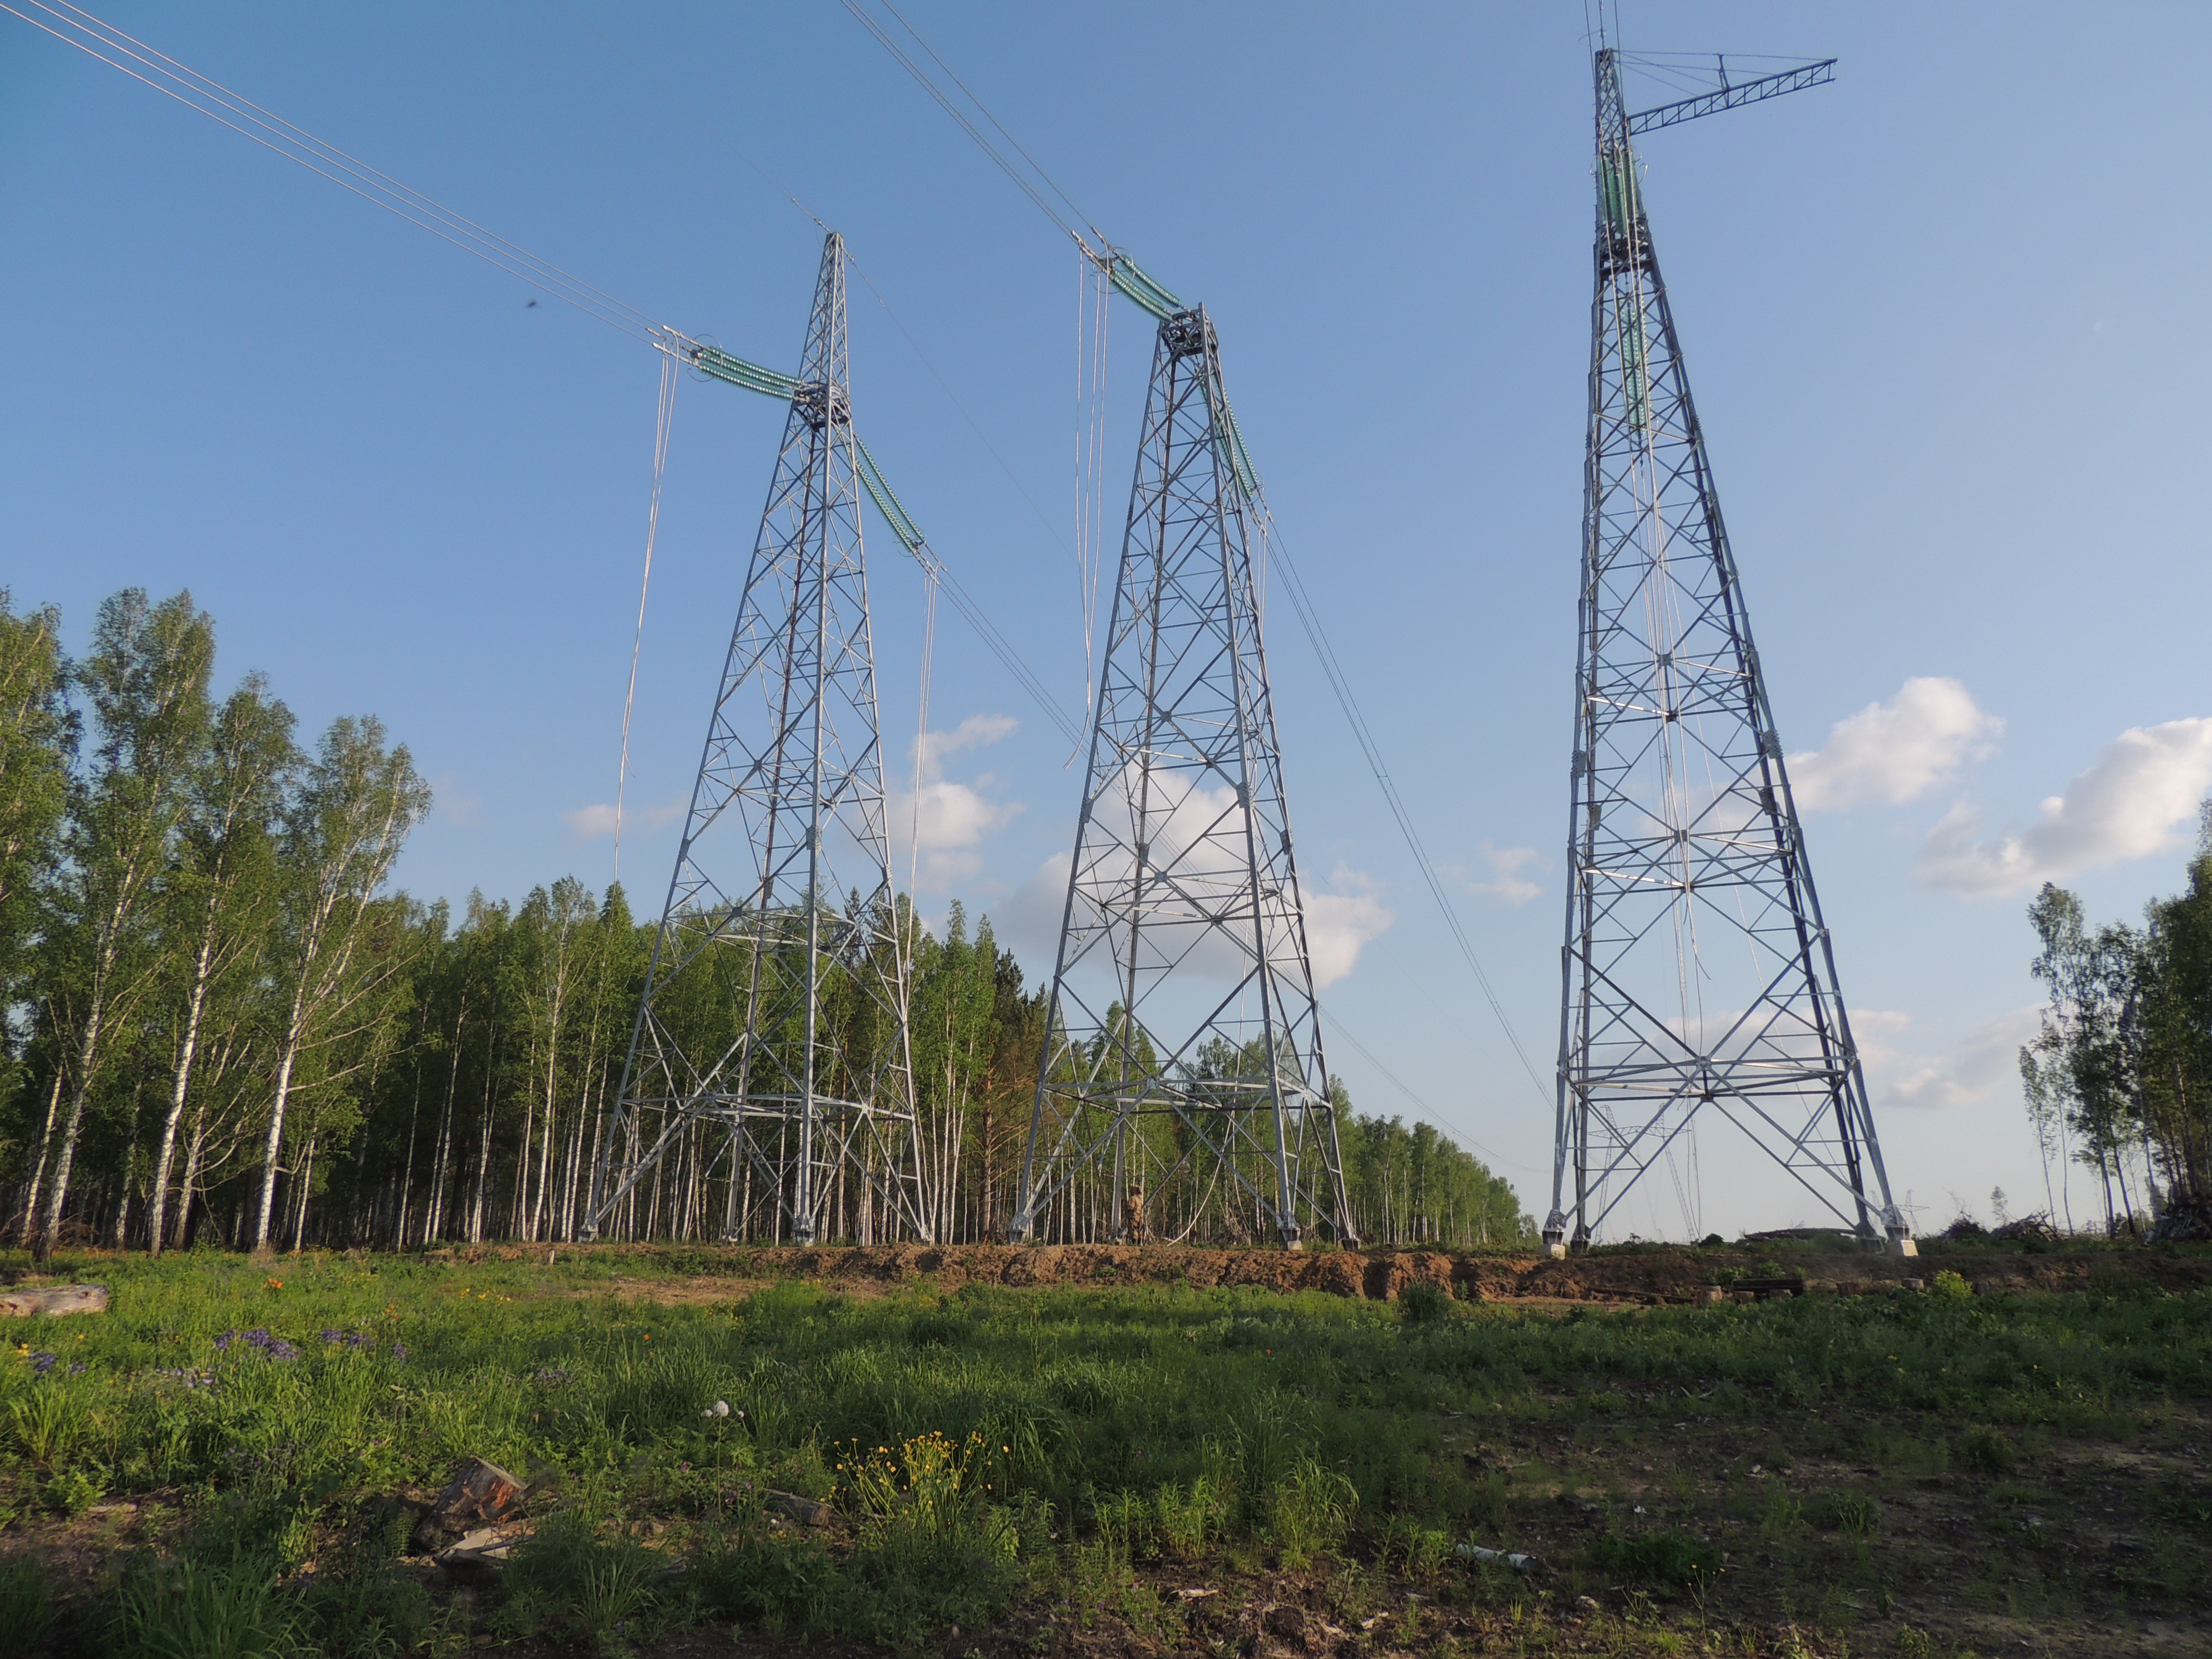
column 1698, row 978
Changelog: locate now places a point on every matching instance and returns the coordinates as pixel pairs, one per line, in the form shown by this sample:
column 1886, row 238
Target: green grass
column 995, row 1450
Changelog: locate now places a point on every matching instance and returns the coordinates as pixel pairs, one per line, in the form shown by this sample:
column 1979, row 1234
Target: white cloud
column 1986, row 1054
column 1506, row 864
column 596, row 821
column 947, row 820
column 976, row 732
column 1342, row 923
column 1895, row 751
column 2131, row 801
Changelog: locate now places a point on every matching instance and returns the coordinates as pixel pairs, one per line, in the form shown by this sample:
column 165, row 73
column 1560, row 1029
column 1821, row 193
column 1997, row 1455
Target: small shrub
column 1852, row 1512
column 1126, row 1525
column 203, row 1608
column 1421, row 1551
column 1781, row 1514
column 1656, row 1557
column 933, row 1550
column 573, row 1578
column 785, row 1586
column 48, row 1423
column 1492, row 1495
column 1985, row 1451
column 1950, row 1286
column 1424, row 1302
column 1309, row 1512
column 74, row 1490
column 1191, row 1517
column 376, row 1616
column 27, row 1613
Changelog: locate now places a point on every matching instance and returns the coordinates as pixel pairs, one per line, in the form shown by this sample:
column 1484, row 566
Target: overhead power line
column 1155, row 300
column 75, row 27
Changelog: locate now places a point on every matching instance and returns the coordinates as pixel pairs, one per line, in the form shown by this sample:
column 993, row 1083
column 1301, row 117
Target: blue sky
column 1937, row 316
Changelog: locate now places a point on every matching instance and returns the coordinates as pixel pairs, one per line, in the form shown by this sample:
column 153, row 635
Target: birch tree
column 342, row 829
column 146, row 679
column 37, row 736
column 222, row 891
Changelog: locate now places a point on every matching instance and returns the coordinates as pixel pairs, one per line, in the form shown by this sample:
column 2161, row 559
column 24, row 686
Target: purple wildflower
column 78, row 1370
column 223, row 1343
column 280, row 1349
column 42, row 1362
column 361, row 1339
column 333, row 1336
column 260, row 1338
column 399, row 1351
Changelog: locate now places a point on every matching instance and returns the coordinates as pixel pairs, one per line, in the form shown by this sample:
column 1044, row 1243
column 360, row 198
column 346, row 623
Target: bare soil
column 1636, row 1277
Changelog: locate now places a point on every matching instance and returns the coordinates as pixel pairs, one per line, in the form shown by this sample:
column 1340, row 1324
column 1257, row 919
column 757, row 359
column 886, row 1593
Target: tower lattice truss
column 1699, row 983
column 1183, row 1090
column 769, row 1076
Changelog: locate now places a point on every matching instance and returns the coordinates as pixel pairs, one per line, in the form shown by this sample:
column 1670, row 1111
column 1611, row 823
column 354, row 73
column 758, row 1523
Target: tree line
column 225, row 1026
column 2118, row 1079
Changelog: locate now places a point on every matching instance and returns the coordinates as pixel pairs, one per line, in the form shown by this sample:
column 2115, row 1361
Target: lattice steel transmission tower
column 1184, row 1085
column 1698, row 976
column 772, row 1044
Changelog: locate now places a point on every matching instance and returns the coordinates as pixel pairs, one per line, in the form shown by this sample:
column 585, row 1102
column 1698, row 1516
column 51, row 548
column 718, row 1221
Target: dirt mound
column 1648, row 1276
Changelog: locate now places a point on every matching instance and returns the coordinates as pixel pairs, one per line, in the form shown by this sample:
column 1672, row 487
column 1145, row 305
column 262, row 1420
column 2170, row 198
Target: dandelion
column 719, row 1408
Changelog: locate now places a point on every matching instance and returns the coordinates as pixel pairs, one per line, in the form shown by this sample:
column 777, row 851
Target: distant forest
column 225, row 1028
column 2119, row 1077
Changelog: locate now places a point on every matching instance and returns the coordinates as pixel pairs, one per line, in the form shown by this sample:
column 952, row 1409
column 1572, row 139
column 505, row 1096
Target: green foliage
column 1985, row 1451
column 1664, row 1558
column 1420, row 1552
column 27, row 1613
column 1852, row 1512
column 1412, row 1186
column 1424, row 1302
column 1950, row 1286
column 1309, row 1510
column 1141, row 1426
column 580, row 1576
column 203, row 1607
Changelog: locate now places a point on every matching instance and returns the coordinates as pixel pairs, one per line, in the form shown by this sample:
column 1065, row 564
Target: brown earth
column 1678, row 1275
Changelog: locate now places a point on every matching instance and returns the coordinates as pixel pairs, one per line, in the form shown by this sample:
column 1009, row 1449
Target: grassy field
column 230, row 1462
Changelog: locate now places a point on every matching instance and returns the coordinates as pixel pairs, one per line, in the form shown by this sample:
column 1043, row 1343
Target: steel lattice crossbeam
column 775, row 1007
column 1697, row 975
column 1184, row 1049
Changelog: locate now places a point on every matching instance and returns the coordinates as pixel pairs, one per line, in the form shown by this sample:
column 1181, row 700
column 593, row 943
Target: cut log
column 55, row 1300
column 804, row 1511
column 482, row 1492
